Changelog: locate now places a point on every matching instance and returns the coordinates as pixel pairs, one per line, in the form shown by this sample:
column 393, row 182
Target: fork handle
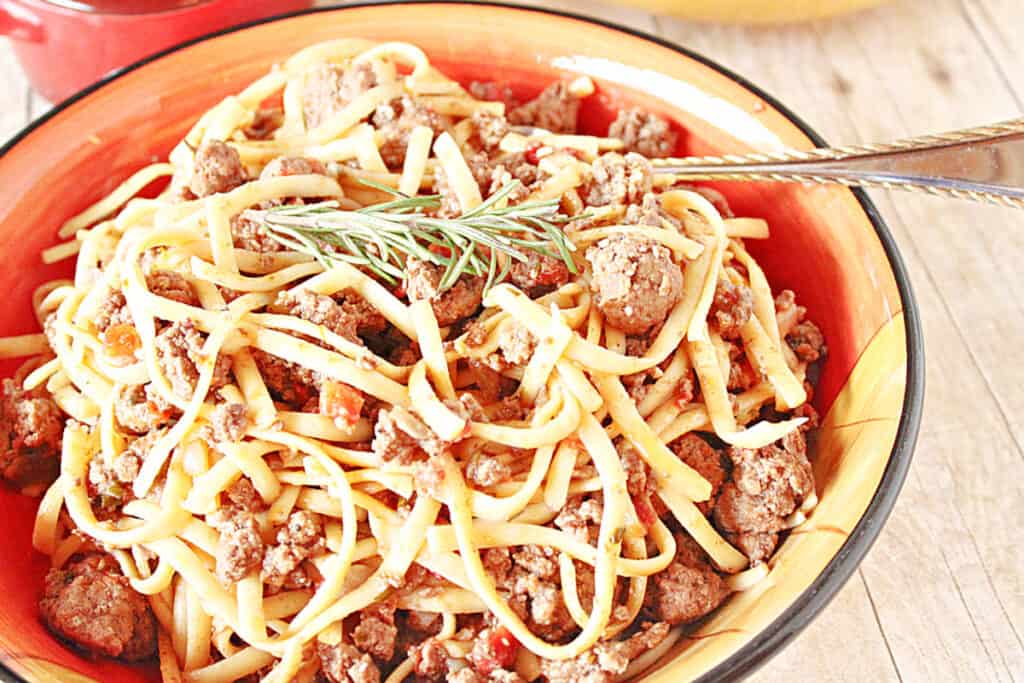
column 985, row 163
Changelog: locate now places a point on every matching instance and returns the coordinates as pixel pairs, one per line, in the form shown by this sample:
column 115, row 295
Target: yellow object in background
column 753, row 11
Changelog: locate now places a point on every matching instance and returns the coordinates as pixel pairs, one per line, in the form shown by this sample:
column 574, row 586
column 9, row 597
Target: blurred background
column 941, row 595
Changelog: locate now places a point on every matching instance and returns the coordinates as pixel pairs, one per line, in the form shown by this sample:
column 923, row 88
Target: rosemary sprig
column 481, row 242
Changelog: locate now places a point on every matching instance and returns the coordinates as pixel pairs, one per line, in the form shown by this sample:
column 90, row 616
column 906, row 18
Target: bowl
column 753, row 11
column 64, row 45
column 829, row 245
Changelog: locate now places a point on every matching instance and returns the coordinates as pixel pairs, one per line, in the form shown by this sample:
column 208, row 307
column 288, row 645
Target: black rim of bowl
column 808, row 604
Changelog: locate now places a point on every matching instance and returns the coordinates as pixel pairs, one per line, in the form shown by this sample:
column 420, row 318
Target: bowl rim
column 795, row 618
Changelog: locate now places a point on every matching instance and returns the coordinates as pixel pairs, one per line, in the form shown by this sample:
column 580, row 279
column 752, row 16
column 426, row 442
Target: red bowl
column 64, row 45
column 828, row 244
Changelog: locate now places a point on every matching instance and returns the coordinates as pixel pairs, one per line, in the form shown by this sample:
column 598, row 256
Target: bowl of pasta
column 370, row 344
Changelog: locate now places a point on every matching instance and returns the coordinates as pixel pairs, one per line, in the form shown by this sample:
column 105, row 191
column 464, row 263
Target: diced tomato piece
column 552, row 272
column 121, row 340
column 530, row 153
column 164, row 413
column 645, row 511
column 573, row 441
column 684, row 397
column 440, row 250
column 504, row 647
column 341, row 402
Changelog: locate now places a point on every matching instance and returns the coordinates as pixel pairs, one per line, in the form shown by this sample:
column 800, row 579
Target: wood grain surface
column 941, row 595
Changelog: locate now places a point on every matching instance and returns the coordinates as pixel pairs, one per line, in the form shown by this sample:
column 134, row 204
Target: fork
column 985, row 163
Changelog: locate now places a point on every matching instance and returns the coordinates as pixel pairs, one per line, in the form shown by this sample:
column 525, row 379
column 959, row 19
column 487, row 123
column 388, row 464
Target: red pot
column 64, row 45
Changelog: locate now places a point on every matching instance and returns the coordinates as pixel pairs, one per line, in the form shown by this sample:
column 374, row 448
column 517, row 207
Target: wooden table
column 941, row 595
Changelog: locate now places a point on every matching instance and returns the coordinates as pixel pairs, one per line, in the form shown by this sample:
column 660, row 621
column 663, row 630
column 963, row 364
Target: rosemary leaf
column 483, row 242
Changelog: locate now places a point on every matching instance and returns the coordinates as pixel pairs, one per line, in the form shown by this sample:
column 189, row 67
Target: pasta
column 299, row 418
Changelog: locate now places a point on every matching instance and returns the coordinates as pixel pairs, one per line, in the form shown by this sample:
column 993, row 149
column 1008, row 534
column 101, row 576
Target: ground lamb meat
column 342, row 663
column 742, row 375
column 491, row 175
column 376, row 632
column 488, row 129
column 89, row 604
column 250, row 235
column 787, row 312
column 240, row 547
column 509, row 169
column 767, row 485
column 536, row 560
column 607, row 660
column 636, row 282
column 264, row 122
column 619, row 179
column 216, row 168
column 577, row 518
column 539, row 274
column 107, row 482
column 229, row 421
column 757, row 547
column 431, row 660
column 141, row 446
column 396, row 119
column 428, row 623
column 286, row 166
column 487, row 470
column 731, row 308
column 505, row 676
column 807, row 342
column 164, row 283
column 449, row 206
column 687, row 589
column 428, row 477
column 330, row 87
column 643, row 133
column 490, row 91
column 531, row 576
column 401, row 436
column 468, row 675
column 516, row 344
column 289, row 383
column 638, row 475
column 498, row 563
column 467, row 407
column 554, row 109
column 30, row 436
column 462, row 300
column 243, row 495
column 464, row 675
column 140, row 409
column 493, row 389
column 650, row 212
column 171, row 285
column 698, row 454
column 113, row 310
column 807, row 411
column 179, row 349
column 347, row 315
column 537, row 595
column 300, row 538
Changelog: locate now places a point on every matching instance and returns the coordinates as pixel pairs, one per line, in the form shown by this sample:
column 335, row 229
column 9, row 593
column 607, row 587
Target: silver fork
column 985, row 163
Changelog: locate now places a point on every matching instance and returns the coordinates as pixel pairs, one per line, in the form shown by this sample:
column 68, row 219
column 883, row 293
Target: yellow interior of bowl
column 859, row 430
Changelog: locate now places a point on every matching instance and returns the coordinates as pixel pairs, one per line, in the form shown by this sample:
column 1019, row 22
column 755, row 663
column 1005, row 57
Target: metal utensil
column 985, row 163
